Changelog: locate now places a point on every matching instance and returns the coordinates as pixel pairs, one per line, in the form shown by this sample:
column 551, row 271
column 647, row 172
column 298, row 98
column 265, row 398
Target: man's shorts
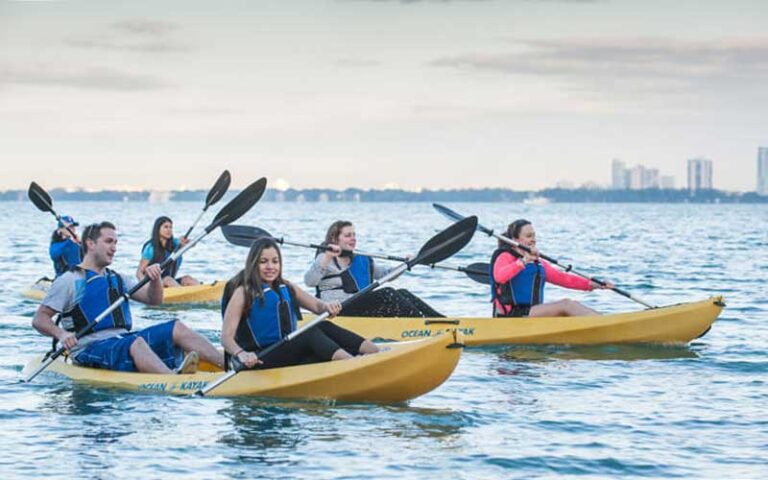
column 114, row 353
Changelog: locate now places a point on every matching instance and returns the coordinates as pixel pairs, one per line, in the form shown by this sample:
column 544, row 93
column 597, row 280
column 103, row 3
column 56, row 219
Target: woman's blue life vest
column 525, row 289
column 356, row 277
column 270, row 319
column 174, row 267
column 65, row 254
column 101, row 291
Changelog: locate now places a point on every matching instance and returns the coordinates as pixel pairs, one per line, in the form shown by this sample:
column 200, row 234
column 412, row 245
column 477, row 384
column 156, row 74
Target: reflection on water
column 625, row 352
column 260, row 432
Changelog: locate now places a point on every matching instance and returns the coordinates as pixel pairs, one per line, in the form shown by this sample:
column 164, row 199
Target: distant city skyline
column 638, row 177
column 517, row 94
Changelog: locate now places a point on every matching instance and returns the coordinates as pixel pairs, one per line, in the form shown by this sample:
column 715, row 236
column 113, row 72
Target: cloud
column 134, row 35
column 642, row 63
column 145, row 27
column 94, row 78
column 357, row 63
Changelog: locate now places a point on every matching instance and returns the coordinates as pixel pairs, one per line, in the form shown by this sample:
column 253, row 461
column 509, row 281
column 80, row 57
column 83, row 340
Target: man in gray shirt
column 82, row 294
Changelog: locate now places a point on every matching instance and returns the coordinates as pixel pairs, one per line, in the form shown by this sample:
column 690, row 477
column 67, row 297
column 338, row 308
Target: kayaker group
column 259, row 306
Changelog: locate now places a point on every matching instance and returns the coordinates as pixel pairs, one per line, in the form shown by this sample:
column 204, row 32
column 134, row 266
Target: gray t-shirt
column 330, row 288
column 67, row 291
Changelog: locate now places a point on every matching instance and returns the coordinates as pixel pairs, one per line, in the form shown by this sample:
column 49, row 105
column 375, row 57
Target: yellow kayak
column 401, row 372
column 671, row 324
column 205, row 293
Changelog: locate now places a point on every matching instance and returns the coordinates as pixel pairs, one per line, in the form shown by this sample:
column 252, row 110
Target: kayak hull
column 206, row 293
column 402, row 372
column 671, row 324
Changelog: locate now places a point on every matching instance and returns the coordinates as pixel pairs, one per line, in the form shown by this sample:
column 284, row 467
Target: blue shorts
column 114, row 353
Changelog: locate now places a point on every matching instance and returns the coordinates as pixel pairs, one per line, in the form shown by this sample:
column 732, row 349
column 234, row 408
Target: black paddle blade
column 40, row 197
column 446, row 243
column 243, row 235
column 479, row 272
column 447, row 212
column 238, row 206
column 219, row 188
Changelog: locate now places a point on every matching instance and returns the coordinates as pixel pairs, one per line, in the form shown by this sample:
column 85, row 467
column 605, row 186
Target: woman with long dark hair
column 260, row 308
column 159, row 247
column 337, row 276
column 519, row 277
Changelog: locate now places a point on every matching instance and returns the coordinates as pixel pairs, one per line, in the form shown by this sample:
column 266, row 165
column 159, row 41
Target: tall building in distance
column 699, row 174
column 762, row 170
column 638, row 177
column 618, row 175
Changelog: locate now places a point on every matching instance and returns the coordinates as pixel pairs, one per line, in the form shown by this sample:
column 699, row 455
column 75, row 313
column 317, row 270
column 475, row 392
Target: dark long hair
column 160, row 250
column 513, row 231
column 249, row 278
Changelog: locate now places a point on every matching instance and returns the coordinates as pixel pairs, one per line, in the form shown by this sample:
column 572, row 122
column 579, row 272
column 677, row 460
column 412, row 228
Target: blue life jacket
column 65, row 255
column 526, row 288
column 101, row 291
column 172, row 269
column 269, row 320
column 355, row 278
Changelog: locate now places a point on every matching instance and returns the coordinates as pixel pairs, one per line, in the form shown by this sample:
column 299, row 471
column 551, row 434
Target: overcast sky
column 371, row 93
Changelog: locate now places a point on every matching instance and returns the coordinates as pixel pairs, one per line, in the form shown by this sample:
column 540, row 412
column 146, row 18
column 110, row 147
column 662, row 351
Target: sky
column 435, row 94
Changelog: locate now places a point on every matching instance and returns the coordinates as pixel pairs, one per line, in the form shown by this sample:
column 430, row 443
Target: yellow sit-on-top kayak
column 671, row 324
column 399, row 372
column 204, row 293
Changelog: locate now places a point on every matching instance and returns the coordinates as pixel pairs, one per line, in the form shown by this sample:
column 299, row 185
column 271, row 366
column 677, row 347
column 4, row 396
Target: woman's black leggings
column 388, row 302
column 317, row 344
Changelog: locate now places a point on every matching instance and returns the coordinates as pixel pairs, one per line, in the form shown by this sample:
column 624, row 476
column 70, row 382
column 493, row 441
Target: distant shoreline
column 552, row 195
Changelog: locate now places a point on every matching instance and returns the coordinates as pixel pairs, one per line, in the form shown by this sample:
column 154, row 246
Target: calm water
column 646, row 411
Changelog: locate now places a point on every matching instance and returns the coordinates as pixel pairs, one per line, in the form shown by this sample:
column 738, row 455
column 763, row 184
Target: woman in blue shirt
column 161, row 246
column 65, row 245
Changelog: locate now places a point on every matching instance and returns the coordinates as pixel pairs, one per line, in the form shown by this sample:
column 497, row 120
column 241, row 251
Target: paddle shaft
column 87, row 328
column 321, row 318
column 194, row 224
column 349, row 253
column 568, row 268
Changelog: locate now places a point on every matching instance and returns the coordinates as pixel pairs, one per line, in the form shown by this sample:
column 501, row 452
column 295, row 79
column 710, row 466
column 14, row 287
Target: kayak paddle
column 245, row 235
column 235, row 209
column 43, row 202
column 568, row 268
column 214, row 195
column 438, row 248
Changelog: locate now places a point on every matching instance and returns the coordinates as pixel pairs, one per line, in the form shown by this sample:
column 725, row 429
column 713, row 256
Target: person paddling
column 519, row 277
column 337, row 277
column 260, row 307
column 159, row 247
column 65, row 245
column 83, row 293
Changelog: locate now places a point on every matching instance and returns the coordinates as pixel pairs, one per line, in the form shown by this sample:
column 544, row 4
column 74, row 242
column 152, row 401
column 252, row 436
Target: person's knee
column 138, row 346
column 179, row 329
column 568, row 305
column 368, row 347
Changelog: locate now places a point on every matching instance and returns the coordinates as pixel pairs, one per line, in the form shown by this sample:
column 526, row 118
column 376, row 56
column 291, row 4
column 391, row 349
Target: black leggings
column 317, row 344
column 388, row 302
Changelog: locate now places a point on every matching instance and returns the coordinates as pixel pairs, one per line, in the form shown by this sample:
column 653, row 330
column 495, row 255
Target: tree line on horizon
column 555, row 195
